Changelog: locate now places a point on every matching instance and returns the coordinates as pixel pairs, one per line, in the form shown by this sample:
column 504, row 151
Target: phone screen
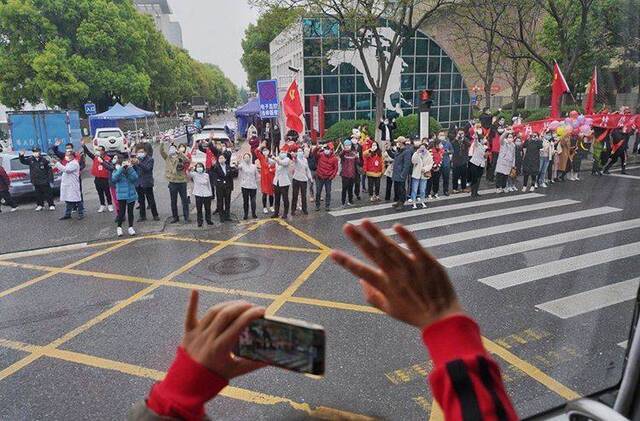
column 290, row 344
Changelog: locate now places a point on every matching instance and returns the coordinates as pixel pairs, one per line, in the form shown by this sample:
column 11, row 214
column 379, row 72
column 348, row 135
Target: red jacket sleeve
column 186, row 388
column 465, row 381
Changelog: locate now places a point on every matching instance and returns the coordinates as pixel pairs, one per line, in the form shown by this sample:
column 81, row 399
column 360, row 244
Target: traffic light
column 425, row 100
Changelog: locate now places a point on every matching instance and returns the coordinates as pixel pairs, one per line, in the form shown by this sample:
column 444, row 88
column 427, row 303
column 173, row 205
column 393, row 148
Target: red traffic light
column 425, row 95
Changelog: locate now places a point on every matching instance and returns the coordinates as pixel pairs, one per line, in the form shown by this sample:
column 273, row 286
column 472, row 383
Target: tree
column 255, row 44
column 362, row 23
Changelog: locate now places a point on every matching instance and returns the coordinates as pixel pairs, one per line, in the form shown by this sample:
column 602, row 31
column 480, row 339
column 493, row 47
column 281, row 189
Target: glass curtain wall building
column 330, row 67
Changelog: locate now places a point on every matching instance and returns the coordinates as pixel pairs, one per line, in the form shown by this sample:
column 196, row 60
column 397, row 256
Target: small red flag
column 591, row 93
column 558, row 88
column 292, row 106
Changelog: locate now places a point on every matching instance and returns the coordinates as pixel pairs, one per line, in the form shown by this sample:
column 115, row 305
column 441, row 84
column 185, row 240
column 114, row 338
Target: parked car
column 217, row 131
column 20, row 175
column 112, row 139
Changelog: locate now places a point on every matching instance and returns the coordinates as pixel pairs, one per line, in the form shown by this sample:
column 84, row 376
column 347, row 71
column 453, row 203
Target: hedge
column 407, row 127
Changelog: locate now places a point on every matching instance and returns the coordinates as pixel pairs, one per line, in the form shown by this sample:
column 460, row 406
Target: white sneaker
column 272, row 209
column 536, row 185
column 435, row 196
column 52, row 208
column 415, row 206
column 424, row 205
column 119, row 231
column 101, row 209
column 110, row 208
column 131, row 231
column 372, row 199
column 545, row 185
column 498, row 190
column 38, row 208
column 410, row 201
column 524, row 189
column 265, row 211
column 532, row 188
column 576, row 178
column 14, row 209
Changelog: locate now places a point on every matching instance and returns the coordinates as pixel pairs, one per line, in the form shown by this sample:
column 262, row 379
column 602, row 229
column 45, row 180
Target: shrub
column 342, row 129
column 407, row 127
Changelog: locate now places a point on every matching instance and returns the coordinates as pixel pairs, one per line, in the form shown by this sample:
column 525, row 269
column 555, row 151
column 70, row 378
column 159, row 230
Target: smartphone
column 286, row 343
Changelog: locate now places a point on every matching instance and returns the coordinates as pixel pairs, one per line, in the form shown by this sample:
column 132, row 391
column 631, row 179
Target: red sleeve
column 187, row 386
column 465, row 381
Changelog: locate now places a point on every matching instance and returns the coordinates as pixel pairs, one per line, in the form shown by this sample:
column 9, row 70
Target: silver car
column 20, row 176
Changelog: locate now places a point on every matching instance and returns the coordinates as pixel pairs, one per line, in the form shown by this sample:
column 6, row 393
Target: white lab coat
column 70, row 183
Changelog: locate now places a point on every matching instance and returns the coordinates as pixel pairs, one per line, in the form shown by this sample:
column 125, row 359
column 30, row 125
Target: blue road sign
column 90, row 109
column 268, row 98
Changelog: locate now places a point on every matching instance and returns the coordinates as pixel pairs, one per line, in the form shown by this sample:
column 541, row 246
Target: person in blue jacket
column 125, row 178
column 401, row 169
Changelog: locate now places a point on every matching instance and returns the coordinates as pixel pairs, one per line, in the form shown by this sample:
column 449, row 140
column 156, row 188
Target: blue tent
column 247, row 114
column 139, row 111
column 116, row 113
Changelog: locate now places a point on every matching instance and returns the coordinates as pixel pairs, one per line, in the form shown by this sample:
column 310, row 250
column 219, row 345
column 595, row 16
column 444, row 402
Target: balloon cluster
column 574, row 125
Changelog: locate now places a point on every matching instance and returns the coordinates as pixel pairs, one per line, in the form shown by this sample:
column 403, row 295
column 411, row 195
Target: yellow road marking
column 334, row 304
column 250, row 245
column 144, row 372
column 303, row 235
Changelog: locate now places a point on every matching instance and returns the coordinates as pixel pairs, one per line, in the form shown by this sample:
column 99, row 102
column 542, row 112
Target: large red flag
column 591, row 93
column 558, row 88
column 293, row 110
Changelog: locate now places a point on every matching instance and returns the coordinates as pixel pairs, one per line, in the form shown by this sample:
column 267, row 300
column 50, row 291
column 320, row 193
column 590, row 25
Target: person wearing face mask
column 506, row 160
column 143, row 164
column 348, row 172
column 64, row 158
column 101, row 176
column 422, row 161
column 401, row 170
column 597, row 149
column 202, row 193
column 373, row 167
column 564, row 157
column 478, row 152
column 41, row 177
column 460, row 161
column 175, row 173
column 445, row 168
column 531, row 161
column 388, row 154
column 437, row 152
column 224, row 174
column 125, row 178
column 267, row 171
column 301, row 178
column 70, row 185
column 281, row 183
column 546, row 154
column 248, row 175
column 326, row 172
column 387, row 127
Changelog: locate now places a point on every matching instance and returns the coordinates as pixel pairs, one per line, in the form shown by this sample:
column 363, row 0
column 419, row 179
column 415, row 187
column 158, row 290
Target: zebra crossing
column 527, row 212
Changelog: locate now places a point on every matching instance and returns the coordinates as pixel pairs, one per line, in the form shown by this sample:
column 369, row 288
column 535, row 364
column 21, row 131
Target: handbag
column 513, row 173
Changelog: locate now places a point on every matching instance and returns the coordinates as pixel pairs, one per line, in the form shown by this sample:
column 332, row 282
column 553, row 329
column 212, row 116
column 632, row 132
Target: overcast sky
column 212, row 31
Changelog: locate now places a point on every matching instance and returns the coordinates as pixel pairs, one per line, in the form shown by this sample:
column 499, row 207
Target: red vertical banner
column 590, row 103
column 321, row 114
column 313, row 129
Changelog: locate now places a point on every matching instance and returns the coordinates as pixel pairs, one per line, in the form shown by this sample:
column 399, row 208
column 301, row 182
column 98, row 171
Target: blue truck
column 28, row 129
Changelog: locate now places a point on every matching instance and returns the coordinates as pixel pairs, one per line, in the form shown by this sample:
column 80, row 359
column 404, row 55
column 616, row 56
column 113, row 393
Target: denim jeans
column 326, row 184
column 418, row 188
column 544, row 165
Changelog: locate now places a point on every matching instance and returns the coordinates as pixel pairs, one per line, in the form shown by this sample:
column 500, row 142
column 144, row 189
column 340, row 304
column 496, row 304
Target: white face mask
column 222, row 161
column 374, row 148
column 141, row 155
column 199, row 169
column 36, row 155
column 172, row 150
column 118, row 166
column 327, row 152
column 247, row 159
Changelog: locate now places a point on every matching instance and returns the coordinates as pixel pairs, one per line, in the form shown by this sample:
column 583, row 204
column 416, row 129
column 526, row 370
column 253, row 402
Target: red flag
column 558, row 88
column 293, row 110
column 591, row 93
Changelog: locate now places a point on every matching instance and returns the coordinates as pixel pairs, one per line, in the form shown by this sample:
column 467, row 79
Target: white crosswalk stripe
column 595, row 299
column 538, row 243
column 624, row 344
column 631, row 177
column 516, row 226
column 383, row 206
column 559, row 267
column 484, row 215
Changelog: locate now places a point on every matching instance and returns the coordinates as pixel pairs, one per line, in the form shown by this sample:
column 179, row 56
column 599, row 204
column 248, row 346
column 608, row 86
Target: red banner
column 605, row 121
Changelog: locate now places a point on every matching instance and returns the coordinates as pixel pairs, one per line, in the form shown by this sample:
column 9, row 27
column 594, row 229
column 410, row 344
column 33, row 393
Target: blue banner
column 268, row 98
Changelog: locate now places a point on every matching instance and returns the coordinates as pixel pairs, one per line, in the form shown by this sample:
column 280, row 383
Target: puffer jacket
column 422, row 165
column 402, row 164
column 373, row 163
column 125, row 181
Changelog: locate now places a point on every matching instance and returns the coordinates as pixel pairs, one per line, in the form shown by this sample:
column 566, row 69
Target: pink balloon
column 554, row 125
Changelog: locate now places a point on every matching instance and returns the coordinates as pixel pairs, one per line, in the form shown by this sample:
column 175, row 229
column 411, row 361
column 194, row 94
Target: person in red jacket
column 101, row 176
column 407, row 284
column 267, row 169
column 5, row 183
column 437, row 152
column 373, row 168
column 326, row 171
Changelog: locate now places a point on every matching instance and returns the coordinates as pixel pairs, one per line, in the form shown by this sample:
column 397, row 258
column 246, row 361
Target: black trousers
column 387, row 190
column 400, row 190
column 356, row 186
column 433, row 185
column 223, row 192
column 614, row 158
column 249, row 198
column 264, row 200
column 203, row 202
column 145, row 194
column 501, row 181
column 282, row 194
column 299, row 187
column 445, row 174
column 460, row 173
column 475, row 174
column 534, row 177
column 8, row 199
column 347, row 189
column 123, row 207
column 44, row 193
column 176, row 189
column 102, row 187
column 374, row 186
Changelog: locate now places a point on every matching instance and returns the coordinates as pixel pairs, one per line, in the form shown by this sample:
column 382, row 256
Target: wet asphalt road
column 111, row 329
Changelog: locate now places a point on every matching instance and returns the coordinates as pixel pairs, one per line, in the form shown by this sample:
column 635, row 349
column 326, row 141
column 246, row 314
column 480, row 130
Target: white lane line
column 484, row 215
column 624, row 344
column 457, row 206
column 538, row 243
column 633, row 167
column 383, row 206
column 631, row 177
column 558, row 267
column 516, row 226
column 595, row 299
column 40, row 252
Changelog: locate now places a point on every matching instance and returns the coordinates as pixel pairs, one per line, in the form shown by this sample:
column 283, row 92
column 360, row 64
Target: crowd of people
column 291, row 174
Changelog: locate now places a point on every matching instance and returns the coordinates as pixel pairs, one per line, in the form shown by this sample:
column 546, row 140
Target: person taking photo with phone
column 124, row 178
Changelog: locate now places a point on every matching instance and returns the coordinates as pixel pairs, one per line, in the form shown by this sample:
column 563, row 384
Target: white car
column 215, row 131
column 112, row 139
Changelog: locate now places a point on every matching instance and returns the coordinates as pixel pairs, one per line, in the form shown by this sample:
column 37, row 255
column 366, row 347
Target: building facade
column 328, row 65
column 161, row 13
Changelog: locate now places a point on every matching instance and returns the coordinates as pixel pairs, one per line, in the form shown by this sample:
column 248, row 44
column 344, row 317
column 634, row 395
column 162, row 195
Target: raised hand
column 408, row 285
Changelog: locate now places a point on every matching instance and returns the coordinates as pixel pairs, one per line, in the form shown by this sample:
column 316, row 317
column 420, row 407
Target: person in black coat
column 41, row 177
column 223, row 173
column 387, row 127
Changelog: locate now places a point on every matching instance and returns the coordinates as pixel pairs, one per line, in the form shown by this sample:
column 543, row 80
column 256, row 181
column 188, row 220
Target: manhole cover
column 235, row 265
